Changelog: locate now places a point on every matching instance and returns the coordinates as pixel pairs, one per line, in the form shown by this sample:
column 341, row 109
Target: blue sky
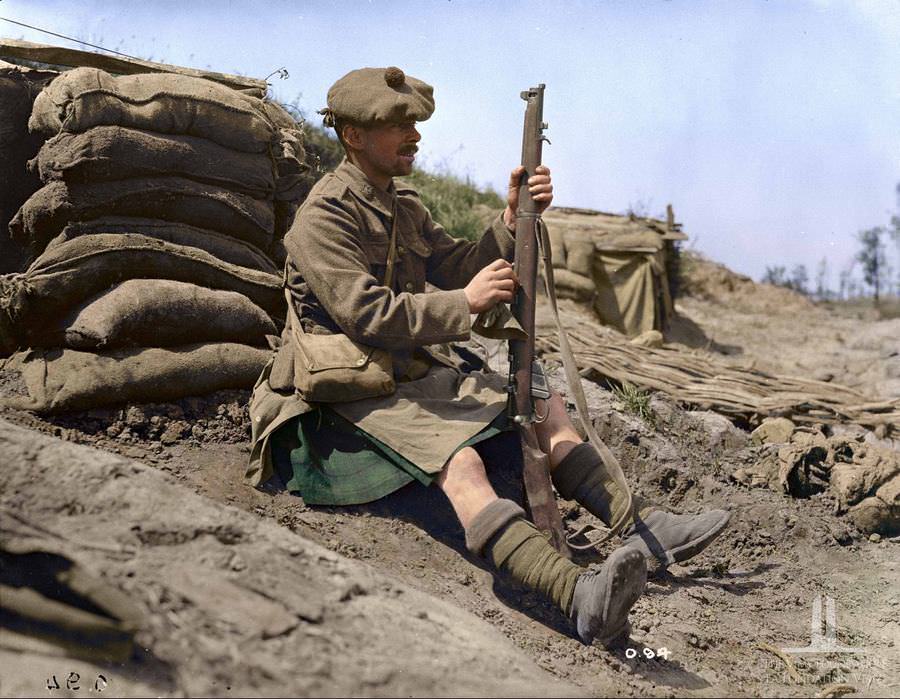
column 772, row 127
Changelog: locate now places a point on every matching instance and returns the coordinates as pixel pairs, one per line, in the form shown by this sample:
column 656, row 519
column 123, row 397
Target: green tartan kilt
column 327, row 460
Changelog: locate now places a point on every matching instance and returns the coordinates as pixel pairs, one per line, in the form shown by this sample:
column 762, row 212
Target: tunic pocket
column 376, row 253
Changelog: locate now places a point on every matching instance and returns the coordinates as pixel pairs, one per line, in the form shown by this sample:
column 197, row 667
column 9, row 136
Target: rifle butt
column 540, row 501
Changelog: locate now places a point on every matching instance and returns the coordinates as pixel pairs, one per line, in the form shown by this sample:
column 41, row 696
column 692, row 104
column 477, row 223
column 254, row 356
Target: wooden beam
column 57, row 55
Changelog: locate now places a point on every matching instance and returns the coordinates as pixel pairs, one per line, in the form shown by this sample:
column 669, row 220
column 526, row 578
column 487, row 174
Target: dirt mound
column 718, row 618
column 218, row 418
column 782, row 332
column 709, row 615
column 235, row 604
column 702, row 278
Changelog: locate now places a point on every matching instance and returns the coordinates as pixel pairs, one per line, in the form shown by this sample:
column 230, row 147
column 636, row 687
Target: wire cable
column 69, row 38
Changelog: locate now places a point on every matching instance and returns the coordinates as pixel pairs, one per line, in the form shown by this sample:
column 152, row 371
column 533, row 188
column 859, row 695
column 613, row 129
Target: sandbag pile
column 155, row 238
column 803, row 461
column 18, row 88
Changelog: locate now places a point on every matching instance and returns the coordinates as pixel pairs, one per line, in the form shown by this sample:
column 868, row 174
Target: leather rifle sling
column 573, row 378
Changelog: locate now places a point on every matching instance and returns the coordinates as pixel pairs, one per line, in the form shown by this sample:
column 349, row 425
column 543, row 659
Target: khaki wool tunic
column 337, row 260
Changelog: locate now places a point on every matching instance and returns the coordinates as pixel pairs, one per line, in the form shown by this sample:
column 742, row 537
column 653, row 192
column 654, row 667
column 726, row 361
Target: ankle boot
column 597, row 601
column 662, row 537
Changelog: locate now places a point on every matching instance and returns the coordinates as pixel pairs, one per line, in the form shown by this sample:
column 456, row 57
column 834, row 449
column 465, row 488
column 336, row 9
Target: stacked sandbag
column 572, row 263
column 18, row 88
column 863, row 476
column 164, row 200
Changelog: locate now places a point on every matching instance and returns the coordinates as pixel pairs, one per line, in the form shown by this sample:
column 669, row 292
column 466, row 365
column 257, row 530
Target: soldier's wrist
column 509, row 220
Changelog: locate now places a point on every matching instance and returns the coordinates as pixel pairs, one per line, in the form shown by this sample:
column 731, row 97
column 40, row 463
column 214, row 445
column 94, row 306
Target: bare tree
column 799, row 279
column 776, row 276
column 822, row 292
column 872, row 257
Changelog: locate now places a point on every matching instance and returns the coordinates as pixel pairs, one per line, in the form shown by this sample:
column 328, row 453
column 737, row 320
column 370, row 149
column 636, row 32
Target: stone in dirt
column 773, row 430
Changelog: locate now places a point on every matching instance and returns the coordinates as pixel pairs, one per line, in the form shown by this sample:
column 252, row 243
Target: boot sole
column 625, row 576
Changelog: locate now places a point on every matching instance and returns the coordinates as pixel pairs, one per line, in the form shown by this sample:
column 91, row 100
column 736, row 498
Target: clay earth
column 252, row 593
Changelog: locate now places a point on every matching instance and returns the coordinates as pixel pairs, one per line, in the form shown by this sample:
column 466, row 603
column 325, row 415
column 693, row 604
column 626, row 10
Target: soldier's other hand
column 494, row 284
column 540, row 186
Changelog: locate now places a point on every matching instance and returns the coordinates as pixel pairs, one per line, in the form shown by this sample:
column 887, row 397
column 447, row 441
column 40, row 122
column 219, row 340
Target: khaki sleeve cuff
column 506, row 241
column 460, row 318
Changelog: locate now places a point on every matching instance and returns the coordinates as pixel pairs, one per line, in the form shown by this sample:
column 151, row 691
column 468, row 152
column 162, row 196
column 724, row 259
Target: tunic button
column 408, row 286
column 400, row 249
column 361, row 361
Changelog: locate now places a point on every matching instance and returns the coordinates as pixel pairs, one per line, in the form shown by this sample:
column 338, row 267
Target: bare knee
column 464, row 469
column 556, row 434
column 465, row 483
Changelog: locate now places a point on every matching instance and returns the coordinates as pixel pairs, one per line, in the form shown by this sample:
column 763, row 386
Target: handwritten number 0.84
column 648, row 653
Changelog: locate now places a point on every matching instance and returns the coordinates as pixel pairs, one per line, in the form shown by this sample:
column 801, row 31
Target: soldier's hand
column 494, row 284
column 540, row 186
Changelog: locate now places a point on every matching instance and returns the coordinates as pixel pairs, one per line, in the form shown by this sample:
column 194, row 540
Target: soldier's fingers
column 542, row 170
column 516, row 175
column 505, row 285
column 499, row 263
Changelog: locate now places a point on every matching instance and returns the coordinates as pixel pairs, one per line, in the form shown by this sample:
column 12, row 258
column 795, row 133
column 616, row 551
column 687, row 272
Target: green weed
column 636, row 402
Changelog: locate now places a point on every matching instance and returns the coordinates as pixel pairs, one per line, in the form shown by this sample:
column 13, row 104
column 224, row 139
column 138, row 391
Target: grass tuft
column 636, row 402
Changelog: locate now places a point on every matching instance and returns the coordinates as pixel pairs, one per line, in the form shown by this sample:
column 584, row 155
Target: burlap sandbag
column 229, row 249
column 83, row 98
column 880, row 513
column 114, row 153
column 290, row 155
column 579, row 256
column 161, row 313
column 285, row 211
column 573, row 286
column 69, row 274
column 558, row 246
column 177, row 199
column 18, row 87
column 61, row 380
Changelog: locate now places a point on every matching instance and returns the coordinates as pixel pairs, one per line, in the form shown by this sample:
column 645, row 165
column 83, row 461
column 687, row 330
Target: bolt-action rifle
column 527, row 380
column 526, row 376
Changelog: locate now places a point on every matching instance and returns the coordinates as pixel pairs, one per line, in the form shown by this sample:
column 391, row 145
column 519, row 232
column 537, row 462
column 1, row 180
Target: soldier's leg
column 597, row 601
column 579, row 474
column 465, row 483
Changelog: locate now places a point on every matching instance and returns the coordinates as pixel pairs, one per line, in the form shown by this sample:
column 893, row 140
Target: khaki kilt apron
column 352, row 453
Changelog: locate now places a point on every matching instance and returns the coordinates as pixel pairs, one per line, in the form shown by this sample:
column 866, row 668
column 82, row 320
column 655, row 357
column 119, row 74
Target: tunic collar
column 358, row 183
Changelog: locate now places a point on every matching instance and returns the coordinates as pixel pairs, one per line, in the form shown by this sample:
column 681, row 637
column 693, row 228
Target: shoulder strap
column 392, row 249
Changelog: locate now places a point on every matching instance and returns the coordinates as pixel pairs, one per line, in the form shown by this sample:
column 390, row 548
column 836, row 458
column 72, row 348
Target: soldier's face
column 388, row 150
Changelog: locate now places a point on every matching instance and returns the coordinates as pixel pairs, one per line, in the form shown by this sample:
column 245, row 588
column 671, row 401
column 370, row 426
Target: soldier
column 387, row 402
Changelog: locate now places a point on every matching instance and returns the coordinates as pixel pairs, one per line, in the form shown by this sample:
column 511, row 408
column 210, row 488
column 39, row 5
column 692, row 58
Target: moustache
column 409, row 150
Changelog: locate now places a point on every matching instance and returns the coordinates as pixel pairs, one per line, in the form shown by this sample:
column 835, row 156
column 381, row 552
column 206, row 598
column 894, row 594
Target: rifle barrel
column 522, row 351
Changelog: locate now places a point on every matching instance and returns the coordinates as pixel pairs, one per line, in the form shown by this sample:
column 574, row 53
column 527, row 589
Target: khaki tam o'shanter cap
column 368, row 95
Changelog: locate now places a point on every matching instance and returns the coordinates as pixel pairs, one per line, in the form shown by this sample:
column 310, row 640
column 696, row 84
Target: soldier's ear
column 353, row 136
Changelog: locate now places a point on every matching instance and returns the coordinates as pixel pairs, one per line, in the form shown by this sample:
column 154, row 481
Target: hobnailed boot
column 597, row 601
column 662, row 537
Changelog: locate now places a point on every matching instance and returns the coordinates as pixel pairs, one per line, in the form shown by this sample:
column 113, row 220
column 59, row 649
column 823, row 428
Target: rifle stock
column 540, row 500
